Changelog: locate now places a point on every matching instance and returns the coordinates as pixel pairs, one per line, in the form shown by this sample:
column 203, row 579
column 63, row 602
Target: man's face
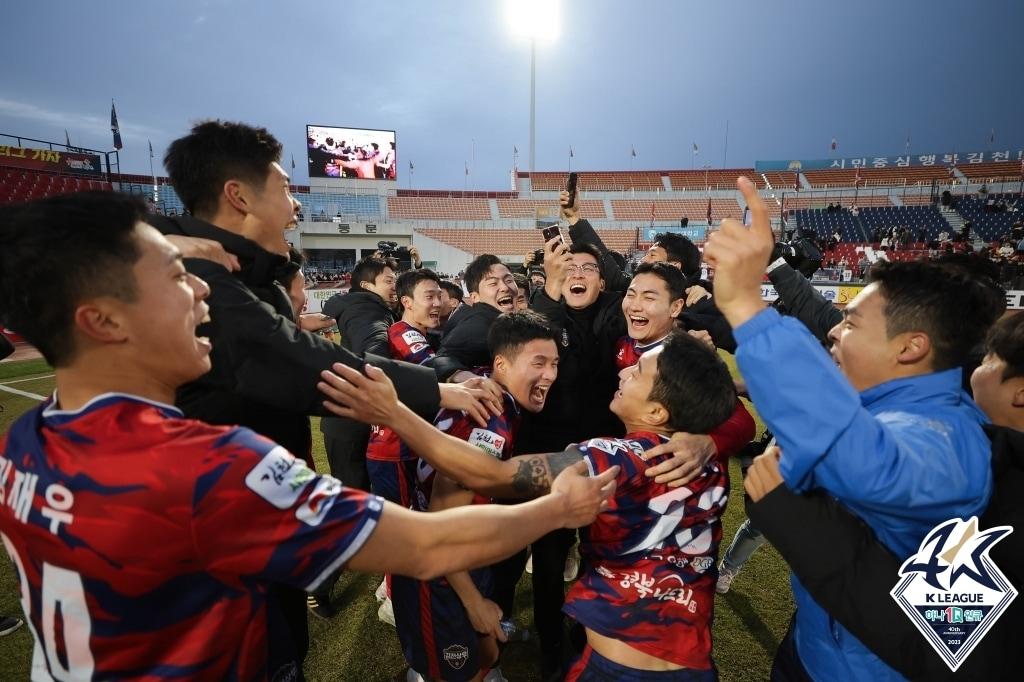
column 528, row 376
column 383, row 285
column 160, row 324
column 537, row 281
column 1001, row 400
column 297, row 293
column 271, row 211
column 860, row 344
column 630, row 403
column 522, row 303
column 497, row 289
column 648, row 308
column 583, row 284
column 423, row 308
column 657, row 254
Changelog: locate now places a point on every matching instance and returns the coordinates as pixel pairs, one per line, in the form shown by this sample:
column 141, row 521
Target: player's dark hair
column 954, row 307
column 1006, row 341
column 671, row 276
column 58, row 252
column 582, row 247
column 511, row 331
column 213, row 153
column 522, row 283
column 680, row 250
column 477, row 270
column 406, row 283
column 453, row 289
column 369, row 269
column 693, row 384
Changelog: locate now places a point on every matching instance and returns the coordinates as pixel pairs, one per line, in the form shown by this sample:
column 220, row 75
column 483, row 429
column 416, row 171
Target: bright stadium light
column 537, row 20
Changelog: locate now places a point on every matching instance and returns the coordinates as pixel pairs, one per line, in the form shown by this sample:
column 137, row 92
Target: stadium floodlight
column 537, row 20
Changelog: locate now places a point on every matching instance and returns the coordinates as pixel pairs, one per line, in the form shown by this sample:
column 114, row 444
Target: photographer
column 364, row 315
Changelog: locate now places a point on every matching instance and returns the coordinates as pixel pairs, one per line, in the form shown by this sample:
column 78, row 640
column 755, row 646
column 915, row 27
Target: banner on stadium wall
column 841, row 295
column 1013, row 158
column 315, row 298
column 696, row 234
column 51, row 160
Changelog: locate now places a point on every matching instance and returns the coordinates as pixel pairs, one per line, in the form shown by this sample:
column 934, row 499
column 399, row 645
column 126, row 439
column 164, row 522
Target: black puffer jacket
column 464, row 344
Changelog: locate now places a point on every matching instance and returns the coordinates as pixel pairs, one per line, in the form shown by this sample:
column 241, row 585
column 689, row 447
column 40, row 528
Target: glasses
column 587, row 269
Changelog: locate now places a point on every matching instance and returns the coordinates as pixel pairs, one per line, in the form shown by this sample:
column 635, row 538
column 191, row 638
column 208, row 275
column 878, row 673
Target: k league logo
column 951, row 590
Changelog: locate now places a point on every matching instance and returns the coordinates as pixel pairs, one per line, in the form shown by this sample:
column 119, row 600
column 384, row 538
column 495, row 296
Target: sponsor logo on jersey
column 951, row 590
column 279, row 478
column 456, row 656
column 319, row 502
column 488, row 441
column 412, row 336
column 417, row 347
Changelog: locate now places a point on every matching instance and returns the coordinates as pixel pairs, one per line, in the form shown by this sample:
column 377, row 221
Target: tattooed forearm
column 535, row 472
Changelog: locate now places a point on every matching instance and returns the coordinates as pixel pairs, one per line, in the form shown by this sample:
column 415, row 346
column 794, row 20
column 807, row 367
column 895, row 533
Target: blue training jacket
column 904, row 456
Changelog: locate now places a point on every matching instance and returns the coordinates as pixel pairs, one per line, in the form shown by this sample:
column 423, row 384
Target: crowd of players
column 463, row 426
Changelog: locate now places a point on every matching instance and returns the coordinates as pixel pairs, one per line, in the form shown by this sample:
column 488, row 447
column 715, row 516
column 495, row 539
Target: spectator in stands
column 910, row 330
column 943, row 237
column 264, row 369
column 854, row 211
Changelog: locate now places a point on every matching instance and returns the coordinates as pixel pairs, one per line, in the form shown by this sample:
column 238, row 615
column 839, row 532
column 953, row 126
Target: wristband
column 774, row 264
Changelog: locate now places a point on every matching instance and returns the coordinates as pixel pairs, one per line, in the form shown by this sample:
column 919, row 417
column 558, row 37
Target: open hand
column 485, row 616
column 478, row 397
column 690, row 452
column 584, row 496
column 207, row 249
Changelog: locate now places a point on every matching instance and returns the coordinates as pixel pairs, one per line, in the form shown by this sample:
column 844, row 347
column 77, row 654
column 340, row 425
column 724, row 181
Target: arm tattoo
column 535, row 473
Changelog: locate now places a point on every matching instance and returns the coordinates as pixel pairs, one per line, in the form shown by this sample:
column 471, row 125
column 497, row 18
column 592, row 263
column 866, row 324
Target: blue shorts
column 394, row 481
column 437, row 637
column 593, row 667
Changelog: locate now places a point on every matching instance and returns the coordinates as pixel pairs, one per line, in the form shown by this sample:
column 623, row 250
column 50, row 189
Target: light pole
column 533, row 101
column 537, row 19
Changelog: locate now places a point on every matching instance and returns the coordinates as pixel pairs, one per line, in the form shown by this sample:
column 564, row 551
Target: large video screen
column 351, row 153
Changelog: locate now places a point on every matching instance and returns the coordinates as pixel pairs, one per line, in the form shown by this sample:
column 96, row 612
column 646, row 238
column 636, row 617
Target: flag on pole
column 696, row 149
column 114, row 127
column 411, row 167
column 67, row 139
column 570, row 152
column 834, row 144
column 992, row 136
column 467, row 167
column 515, row 149
column 293, row 161
column 632, row 151
column 908, row 143
column 151, row 149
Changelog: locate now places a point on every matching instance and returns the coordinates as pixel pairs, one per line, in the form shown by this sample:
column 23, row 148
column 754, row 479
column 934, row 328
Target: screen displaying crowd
column 351, row 153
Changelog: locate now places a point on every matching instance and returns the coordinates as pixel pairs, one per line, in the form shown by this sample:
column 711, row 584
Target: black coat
column 464, row 344
column 841, row 562
column 265, row 369
column 363, row 321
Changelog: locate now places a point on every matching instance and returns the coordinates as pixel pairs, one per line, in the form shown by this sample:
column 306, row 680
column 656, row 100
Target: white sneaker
column 529, row 565
column 572, row 564
column 725, row 578
column 413, row 676
column 495, row 676
column 386, row 613
column 382, row 591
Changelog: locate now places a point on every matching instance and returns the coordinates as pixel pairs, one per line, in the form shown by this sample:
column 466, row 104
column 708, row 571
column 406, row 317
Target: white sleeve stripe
column 590, row 465
column 343, row 558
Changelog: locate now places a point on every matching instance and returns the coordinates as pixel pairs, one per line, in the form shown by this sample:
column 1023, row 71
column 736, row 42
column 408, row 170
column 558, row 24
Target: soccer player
column 144, row 542
column 647, row 596
column 438, row 621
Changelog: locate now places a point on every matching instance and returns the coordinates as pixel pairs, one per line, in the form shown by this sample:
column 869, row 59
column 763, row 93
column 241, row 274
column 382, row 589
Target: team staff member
column 263, row 367
column 108, row 466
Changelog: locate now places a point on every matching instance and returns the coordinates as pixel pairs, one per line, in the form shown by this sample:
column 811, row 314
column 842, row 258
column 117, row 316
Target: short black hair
column 680, row 249
column 288, row 272
column 584, row 247
column 406, row 283
column 1006, row 341
column 673, row 278
column 477, row 269
column 511, row 331
column 522, row 283
column 214, row 152
column 60, row 251
column 453, row 289
column 369, row 269
column 950, row 304
column 693, row 384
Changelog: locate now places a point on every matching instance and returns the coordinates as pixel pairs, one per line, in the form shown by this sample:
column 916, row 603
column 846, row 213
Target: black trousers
column 549, row 554
column 287, row 633
column 787, row 666
column 346, row 455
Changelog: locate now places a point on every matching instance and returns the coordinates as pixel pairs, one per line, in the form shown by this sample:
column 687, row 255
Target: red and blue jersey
column 628, row 351
column 650, row 558
column 408, row 343
column 496, row 439
column 144, row 542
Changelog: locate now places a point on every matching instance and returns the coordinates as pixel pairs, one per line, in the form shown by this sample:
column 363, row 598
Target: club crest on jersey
column 279, row 478
column 951, row 589
column 488, row 441
column 456, row 656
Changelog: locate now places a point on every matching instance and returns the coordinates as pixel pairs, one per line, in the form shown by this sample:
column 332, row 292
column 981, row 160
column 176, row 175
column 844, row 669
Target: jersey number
column 63, row 593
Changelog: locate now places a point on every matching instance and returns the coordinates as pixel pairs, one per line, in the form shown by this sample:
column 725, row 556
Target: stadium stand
column 908, row 175
column 590, row 209
column 989, row 224
column 998, row 171
column 848, row 199
column 673, row 209
column 601, row 181
column 926, row 219
column 781, row 180
column 715, row 179
column 517, row 241
column 822, row 224
column 318, row 206
column 438, row 208
column 24, row 185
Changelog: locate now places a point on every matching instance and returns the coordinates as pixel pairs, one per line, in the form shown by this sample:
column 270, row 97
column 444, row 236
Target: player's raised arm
column 426, row 546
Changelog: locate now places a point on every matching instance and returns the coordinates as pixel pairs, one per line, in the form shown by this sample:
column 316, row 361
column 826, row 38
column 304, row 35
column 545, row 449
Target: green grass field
column 354, row 645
